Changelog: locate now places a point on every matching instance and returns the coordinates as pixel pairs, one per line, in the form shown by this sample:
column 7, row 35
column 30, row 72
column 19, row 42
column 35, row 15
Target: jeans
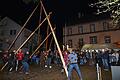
column 71, row 66
column 37, row 60
column 105, row 63
column 25, row 66
column 48, row 61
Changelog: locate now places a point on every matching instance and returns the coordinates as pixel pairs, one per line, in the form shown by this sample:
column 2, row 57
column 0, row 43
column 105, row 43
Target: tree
column 110, row 6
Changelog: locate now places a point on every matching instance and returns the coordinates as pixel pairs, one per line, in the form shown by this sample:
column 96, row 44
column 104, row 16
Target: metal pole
column 55, row 40
column 22, row 28
column 98, row 72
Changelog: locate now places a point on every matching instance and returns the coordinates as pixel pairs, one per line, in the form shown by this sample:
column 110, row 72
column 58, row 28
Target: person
column 72, row 57
column 65, row 57
column 19, row 57
column 37, row 58
column 26, row 63
column 11, row 61
column 34, row 58
column 5, row 57
column 49, row 59
column 105, row 59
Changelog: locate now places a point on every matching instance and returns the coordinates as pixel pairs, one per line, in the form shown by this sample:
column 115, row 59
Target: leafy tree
column 111, row 6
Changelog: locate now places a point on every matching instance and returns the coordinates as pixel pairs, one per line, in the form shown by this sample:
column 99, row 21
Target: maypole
column 58, row 47
column 47, row 39
column 51, row 43
column 40, row 17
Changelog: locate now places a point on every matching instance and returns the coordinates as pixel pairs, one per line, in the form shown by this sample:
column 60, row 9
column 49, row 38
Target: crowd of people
column 105, row 58
column 22, row 60
column 16, row 61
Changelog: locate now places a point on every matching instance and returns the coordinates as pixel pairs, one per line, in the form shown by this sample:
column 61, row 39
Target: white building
column 8, row 32
column 92, row 32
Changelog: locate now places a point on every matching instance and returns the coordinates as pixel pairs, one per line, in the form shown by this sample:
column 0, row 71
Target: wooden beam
column 58, row 47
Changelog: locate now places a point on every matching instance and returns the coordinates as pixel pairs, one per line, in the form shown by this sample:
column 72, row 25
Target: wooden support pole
column 41, row 44
column 47, row 39
column 40, row 18
column 32, row 33
column 58, row 47
column 51, row 43
column 4, row 66
column 22, row 29
column 27, row 39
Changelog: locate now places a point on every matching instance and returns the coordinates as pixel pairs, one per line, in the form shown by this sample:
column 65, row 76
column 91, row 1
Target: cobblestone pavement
column 39, row 73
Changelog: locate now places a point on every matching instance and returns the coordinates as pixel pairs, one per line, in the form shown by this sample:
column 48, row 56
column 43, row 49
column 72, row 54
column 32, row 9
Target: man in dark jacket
column 25, row 63
column 11, row 61
column 105, row 59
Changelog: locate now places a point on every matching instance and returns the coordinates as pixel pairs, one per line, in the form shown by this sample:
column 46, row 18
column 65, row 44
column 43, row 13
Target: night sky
column 61, row 10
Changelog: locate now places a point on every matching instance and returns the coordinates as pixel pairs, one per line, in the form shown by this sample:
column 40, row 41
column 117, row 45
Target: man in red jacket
column 19, row 57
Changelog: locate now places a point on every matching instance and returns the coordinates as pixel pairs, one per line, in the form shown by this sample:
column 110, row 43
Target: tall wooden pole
column 58, row 47
column 51, row 43
column 41, row 44
column 47, row 39
column 33, row 33
column 40, row 18
column 27, row 39
column 47, row 34
column 22, row 29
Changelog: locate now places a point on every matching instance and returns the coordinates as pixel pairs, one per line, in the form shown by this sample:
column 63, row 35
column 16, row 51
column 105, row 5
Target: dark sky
column 62, row 10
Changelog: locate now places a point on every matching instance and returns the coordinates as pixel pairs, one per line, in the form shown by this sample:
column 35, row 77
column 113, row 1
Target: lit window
column 93, row 40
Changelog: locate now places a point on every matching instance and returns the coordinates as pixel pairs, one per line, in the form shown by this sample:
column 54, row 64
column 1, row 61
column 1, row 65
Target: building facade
column 8, row 31
column 93, row 32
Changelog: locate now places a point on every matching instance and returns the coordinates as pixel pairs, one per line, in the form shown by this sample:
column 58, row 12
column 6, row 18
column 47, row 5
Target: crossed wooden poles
column 54, row 36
